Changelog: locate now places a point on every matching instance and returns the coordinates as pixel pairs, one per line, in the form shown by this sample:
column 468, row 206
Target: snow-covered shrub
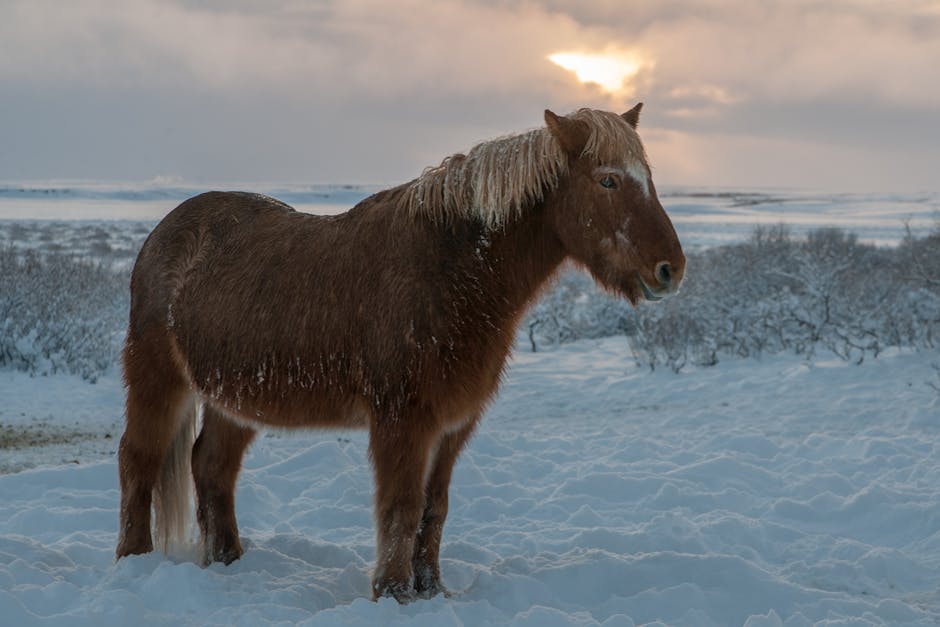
column 575, row 309
column 771, row 294
column 935, row 384
column 60, row 314
column 672, row 336
column 918, row 263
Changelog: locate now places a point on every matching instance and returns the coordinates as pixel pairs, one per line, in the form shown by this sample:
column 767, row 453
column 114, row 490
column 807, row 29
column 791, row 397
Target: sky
column 836, row 95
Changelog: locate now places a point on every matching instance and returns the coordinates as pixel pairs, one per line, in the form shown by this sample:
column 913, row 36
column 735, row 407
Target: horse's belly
column 297, row 411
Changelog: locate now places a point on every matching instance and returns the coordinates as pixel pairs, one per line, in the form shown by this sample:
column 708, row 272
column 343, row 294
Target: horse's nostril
column 664, row 273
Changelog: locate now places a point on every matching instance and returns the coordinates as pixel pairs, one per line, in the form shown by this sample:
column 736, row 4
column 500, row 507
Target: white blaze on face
column 637, row 171
column 633, row 169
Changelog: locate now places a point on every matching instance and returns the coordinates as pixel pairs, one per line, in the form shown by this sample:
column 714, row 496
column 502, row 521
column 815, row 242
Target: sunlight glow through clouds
column 611, row 71
column 301, row 82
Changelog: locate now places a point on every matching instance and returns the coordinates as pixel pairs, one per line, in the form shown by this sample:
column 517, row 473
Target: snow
column 714, row 217
column 757, row 492
column 71, row 200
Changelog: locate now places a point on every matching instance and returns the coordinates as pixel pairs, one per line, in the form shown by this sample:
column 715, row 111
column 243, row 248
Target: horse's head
column 605, row 210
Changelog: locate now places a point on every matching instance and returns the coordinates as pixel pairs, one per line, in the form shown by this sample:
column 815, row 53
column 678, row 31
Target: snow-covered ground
column 757, row 492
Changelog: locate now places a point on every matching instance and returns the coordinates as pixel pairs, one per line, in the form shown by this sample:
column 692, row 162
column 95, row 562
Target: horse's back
column 188, row 235
column 216, row 215
column 234, row 282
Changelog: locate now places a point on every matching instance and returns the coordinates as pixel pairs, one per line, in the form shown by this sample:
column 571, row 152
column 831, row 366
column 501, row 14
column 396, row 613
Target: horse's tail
column 173, row 492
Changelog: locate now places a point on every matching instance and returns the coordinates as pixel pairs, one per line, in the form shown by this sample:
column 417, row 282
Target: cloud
column 781, row 51
column 348, row 87
column 361, row 48
column 152, row 42
column 790, row 51
column 716, row 159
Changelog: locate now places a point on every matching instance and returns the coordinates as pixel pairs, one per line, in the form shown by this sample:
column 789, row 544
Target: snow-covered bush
column 574, row 309
column 771, row 294
column 60, row 314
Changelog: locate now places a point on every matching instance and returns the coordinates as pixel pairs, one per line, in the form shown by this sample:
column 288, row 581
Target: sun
column 610, row 71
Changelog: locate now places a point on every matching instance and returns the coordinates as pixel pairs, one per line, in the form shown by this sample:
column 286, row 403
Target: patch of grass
column 20, row 437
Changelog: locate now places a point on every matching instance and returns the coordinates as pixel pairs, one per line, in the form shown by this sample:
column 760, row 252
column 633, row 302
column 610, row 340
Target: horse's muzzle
column 668, row 282
column 651, row 295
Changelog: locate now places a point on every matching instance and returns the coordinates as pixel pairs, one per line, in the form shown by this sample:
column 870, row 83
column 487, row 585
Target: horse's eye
column 609, row 182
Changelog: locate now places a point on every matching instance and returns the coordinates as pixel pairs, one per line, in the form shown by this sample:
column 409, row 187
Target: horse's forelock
column 612, row 139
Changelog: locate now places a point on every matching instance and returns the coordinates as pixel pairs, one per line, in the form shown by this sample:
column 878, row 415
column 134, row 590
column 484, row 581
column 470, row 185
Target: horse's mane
column 497, row 179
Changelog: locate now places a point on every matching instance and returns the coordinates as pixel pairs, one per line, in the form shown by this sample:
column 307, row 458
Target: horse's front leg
column 400, row 450
column 426, row 559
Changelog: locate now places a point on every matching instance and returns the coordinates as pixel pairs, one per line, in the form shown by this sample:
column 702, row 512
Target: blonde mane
column 497, row 179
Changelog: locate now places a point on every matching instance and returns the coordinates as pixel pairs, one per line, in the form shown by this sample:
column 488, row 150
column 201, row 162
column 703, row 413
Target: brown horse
column 397, row 316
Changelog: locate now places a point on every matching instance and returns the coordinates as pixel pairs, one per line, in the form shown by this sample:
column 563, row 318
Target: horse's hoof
column 431, row 589
column 222, row 555
column 225, row 558
column 223, row 548
column 400, row 591
column 123, row 550
column 230, row 556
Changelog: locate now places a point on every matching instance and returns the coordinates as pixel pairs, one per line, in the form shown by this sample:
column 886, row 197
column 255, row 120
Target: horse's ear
column 571, row 134
column 633, row 115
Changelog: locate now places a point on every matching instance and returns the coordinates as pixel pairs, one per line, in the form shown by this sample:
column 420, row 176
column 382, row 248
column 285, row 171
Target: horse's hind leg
column 159, row 404
column 426, row 564
column 217, row 458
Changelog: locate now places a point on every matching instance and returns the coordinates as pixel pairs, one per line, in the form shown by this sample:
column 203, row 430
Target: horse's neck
column 522, row 255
